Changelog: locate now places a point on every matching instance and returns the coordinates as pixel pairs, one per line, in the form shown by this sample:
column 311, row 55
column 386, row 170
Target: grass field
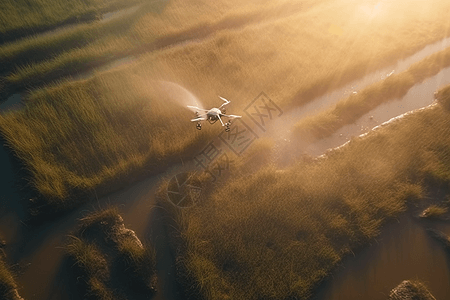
column 98, row 134
column 290, row 41
column 111, row 262
column 277, row 234
column 82, row 135
column 22, row 17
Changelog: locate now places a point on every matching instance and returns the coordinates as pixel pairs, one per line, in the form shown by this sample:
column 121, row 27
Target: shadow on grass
column 65, row 283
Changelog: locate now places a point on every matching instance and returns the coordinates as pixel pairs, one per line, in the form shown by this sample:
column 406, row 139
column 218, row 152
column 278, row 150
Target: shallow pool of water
column 14, row 102
column 37, row 253
column 403, row 251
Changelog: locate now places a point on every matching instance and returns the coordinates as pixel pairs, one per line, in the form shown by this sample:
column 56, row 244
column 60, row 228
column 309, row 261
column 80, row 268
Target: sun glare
column 371, row 10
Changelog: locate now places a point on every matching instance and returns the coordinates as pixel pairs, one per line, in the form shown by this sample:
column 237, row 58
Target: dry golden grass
column 434, row 211
column 289, row 49
column 276, row 235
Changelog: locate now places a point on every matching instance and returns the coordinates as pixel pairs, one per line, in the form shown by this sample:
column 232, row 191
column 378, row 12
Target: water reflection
column 14, row 102
column 403, row 251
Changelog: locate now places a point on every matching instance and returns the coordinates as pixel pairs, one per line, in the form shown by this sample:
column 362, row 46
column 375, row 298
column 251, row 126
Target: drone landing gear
column 227, row 126
column 198, row 126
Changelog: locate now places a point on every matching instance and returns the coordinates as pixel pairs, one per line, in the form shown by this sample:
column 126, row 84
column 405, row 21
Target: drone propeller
column 198, row 119
column 196, row 108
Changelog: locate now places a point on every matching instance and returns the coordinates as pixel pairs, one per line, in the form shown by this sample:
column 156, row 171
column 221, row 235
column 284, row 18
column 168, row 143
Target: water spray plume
column 180, row 95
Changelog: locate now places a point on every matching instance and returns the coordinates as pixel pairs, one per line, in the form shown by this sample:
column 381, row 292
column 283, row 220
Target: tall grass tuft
column 110, row 259
column 8, row 285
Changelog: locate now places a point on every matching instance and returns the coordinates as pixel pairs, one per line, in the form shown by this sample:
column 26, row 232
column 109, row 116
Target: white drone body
column 213, row 115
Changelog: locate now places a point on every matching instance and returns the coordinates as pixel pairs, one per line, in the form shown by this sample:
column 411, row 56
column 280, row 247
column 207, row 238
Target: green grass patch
column 110, row 259
column 21, row 17
column 277, row 234
column 99, row 134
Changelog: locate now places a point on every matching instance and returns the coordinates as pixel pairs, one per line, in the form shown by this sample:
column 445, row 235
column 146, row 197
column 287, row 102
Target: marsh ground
column 77, row 139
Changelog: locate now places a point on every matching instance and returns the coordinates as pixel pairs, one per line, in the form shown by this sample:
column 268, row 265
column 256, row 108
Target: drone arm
column 220, row 119
column 232, row 116
column 225, row 100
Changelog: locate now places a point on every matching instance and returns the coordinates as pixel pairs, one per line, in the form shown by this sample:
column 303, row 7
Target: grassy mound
column 110, row 259
column 277, row 234
column 411, row 289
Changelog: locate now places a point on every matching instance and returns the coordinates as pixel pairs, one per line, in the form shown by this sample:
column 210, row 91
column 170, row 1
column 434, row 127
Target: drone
column 213, row 115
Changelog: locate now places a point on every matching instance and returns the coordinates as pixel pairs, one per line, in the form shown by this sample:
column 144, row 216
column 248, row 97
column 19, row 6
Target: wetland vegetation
column 53, row 137
column 295, row 226
column 261, row 233
column 21, row 17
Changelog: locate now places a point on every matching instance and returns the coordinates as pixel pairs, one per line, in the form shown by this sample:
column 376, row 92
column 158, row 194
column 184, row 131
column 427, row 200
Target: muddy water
column 403, row 251
column 38, row 254
column 12, row 103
